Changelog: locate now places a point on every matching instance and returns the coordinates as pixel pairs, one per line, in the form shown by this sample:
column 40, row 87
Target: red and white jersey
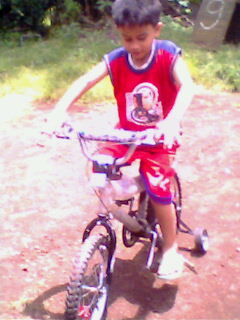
column 153, row 82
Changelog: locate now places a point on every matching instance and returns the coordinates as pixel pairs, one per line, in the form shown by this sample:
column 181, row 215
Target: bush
column 64, row 12
column 184, row 6
column 23, row 14
column 37, row 15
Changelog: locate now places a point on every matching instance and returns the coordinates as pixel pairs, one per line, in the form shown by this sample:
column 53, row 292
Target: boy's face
column 138, row 39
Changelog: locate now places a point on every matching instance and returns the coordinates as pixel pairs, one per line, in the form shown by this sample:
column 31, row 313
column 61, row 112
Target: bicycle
column 87, row 292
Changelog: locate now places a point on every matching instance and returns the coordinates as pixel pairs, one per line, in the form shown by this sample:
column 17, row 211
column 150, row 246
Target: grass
column 216, row 70
column 43, row 69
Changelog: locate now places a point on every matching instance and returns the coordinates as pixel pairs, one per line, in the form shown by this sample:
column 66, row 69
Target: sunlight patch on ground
column 14, row 106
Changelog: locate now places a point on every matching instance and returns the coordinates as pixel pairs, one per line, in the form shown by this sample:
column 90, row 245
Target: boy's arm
column 169, row 127
column 76, row 90
column 184, row 97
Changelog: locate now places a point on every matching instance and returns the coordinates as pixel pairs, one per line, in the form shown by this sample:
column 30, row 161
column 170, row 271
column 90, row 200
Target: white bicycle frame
column 109, row 191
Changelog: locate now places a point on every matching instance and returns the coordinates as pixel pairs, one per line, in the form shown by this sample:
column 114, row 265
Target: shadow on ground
column 131, row 281
column 36, row 309
column 137, row 285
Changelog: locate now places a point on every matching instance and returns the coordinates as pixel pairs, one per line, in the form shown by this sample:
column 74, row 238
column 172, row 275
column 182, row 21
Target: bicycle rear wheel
column 177, row 198
column 128, row 237
column 87, row 292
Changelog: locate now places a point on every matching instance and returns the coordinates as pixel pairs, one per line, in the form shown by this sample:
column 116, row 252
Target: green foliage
column 63, row 12
column 44, row 69
column 23, row 14
column 195, row 1
column 218, row 70
column 175, row 31
column 185, row 5
column 214, row 69
column 72, row 11
column 36, row 15
column 39, row 15
column 104, row 5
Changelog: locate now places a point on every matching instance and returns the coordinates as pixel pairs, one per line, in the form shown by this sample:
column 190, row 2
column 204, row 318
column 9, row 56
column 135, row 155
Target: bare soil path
column 45, row 204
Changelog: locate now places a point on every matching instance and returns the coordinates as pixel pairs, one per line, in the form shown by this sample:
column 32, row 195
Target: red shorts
column 155, row 169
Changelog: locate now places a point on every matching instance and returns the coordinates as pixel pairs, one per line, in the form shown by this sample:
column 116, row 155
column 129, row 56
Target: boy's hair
column 136, row 12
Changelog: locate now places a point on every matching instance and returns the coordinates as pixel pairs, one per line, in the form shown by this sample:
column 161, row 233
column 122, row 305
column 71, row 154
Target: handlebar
column 119, row 136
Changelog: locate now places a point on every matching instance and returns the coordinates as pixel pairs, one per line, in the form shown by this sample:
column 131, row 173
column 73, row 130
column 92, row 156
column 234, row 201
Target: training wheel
column 201, row 240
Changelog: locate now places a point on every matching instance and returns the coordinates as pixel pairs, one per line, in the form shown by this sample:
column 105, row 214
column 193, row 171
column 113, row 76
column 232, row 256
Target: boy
column 153, row 88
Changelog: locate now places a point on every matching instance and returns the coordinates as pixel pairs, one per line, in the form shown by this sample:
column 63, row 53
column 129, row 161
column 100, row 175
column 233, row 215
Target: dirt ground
column 45, row 204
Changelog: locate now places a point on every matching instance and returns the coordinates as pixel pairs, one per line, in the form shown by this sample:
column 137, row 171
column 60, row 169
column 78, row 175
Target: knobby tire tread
column 80, row 264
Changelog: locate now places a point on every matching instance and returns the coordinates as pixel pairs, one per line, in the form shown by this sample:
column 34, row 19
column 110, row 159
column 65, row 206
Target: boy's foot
column 171, row 266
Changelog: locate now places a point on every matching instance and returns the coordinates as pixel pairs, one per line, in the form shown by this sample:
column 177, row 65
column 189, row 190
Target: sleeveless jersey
column 144, row 96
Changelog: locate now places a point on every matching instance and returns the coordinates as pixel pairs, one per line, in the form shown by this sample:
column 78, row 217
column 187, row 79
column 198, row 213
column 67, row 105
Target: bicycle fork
column 111, row 240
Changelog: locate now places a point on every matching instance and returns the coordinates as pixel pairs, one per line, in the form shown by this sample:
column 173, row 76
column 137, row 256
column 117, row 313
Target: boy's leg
column 157, row 176
column 166, row 217
column 172, row 263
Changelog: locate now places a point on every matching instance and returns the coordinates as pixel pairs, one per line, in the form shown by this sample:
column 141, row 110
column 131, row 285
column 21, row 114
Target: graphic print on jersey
column 142, row 105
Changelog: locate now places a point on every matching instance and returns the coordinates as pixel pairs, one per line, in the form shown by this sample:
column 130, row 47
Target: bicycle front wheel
column 87, row 291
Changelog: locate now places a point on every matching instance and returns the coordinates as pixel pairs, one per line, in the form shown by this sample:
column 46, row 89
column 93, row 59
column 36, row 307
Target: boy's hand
column 170, row 132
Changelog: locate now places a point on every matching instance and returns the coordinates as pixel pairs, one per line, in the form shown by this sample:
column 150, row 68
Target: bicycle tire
column 177, row 198
column 87, row 292
column 129, row 238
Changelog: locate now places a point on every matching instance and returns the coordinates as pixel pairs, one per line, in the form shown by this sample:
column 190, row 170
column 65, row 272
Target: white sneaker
column 171, row 266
